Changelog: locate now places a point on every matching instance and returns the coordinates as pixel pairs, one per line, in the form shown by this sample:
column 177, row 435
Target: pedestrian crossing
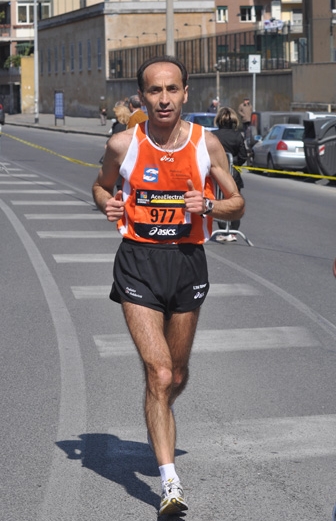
column 111, row 345
column 244, row 440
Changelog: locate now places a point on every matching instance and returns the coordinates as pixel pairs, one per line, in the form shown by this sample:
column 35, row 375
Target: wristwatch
column 209, row 206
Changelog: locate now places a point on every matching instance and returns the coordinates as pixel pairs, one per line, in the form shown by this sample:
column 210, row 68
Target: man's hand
column 115, row 207
column 194, row 201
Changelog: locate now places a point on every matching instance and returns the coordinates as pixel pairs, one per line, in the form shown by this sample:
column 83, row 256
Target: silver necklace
column 168, row 157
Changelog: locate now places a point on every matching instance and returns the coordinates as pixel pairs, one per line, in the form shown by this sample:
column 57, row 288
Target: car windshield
column 293, row 134
column 205, row 121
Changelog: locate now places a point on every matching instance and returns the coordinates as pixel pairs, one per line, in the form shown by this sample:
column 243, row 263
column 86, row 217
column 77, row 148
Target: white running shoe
column 172, row 499
column 226, row 238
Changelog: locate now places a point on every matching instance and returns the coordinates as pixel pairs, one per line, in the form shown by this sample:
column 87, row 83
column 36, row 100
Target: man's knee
column 159, row 379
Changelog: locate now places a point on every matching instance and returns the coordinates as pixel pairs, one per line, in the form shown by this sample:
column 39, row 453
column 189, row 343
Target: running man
column 164, row 214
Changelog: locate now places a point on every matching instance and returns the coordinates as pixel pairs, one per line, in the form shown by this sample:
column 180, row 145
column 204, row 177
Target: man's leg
column 164, row 347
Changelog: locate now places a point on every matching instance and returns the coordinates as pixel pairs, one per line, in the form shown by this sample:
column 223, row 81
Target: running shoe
column 226, row 238
column 172, row 499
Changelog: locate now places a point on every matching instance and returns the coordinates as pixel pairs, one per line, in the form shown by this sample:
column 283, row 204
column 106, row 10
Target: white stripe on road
column 14, row 181
column 65, row 216
column 62, row 490
column 225, row 290
column 68, row 234
column 19, row 175
column 216, row 290
column 221, row 340
column 84, row 257
column 256, row 440
column 44, row 192
column 270, row 438
column 50, row 203
column 81, row 292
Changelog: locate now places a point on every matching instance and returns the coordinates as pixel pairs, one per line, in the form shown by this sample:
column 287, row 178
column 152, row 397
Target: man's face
column 163, row 93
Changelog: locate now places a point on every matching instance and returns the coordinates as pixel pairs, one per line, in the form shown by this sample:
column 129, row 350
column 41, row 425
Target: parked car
column 261, row 122
column 2, row 115
column 206, row 119
column 281, row 149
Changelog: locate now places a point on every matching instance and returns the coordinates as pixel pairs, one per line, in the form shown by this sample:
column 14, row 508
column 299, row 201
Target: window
column 258, row 13
column 63, row 58
column 41, row 61
column 56, row 59
column 89, row 55
column 25, row 12
column 222, row 14
column 246, row 14
column 72, row 57
column 99, row 54
column 80, row 57
column 49, row 60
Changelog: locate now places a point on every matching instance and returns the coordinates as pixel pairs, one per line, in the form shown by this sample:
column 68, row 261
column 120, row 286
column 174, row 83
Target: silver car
column 281, row 149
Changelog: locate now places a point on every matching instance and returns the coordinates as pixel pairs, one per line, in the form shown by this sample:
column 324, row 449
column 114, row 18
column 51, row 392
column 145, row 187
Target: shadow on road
column 119, row 461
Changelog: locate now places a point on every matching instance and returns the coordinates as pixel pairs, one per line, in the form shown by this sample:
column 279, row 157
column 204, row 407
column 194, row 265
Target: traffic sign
column 254, row 63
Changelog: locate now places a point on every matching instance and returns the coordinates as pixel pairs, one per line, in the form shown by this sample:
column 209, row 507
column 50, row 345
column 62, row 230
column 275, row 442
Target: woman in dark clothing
column 233, row 142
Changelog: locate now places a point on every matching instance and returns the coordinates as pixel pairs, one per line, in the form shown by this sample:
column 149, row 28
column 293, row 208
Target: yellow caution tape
column 284, row 172
column 71, row 159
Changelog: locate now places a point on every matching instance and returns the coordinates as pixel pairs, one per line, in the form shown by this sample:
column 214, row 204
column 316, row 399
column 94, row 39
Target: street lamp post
column 36, row 66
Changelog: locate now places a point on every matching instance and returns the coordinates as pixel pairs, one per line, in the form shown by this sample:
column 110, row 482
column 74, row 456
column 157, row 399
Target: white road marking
column 220, row 340
column 14, row 181
column 42, row 191
column 65, row 216
column 19, row 175
column 68, row 234
column 294, row 437
column 50, row 203
column 84, row 257
column 83, row 292
column 63, row 485
column 224, row 290
column 216, row 290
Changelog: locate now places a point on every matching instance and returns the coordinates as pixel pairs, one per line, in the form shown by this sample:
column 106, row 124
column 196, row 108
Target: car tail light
column 281, row 146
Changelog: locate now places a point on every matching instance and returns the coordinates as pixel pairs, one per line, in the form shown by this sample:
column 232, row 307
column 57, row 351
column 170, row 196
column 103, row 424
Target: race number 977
column 162, row 215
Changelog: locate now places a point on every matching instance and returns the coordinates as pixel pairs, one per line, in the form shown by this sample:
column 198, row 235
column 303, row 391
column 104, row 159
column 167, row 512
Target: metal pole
column 218, row 88
column 36, row 67
column 254, row 91
column 170, row 47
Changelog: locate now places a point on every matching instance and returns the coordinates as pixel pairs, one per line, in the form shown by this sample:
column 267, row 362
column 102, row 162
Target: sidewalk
column 47, row 122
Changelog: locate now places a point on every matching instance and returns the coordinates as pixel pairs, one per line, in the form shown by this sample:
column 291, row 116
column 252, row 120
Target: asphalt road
column 257, row 423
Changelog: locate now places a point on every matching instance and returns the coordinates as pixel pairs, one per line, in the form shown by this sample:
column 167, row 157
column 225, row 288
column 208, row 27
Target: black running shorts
column 166, row 277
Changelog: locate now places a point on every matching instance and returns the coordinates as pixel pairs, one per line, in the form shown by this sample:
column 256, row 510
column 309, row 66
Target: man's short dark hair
column 161, row 59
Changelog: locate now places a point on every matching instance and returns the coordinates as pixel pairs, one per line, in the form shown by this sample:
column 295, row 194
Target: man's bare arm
column 102, row 190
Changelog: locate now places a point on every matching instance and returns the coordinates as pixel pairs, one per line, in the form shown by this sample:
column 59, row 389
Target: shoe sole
column 173, row 507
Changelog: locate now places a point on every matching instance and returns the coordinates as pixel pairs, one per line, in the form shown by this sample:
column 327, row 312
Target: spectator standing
column 137, row 114
column 103, row 110
column 214, row 106
column 119, row 123
column 233, row 142
column 245, row 112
